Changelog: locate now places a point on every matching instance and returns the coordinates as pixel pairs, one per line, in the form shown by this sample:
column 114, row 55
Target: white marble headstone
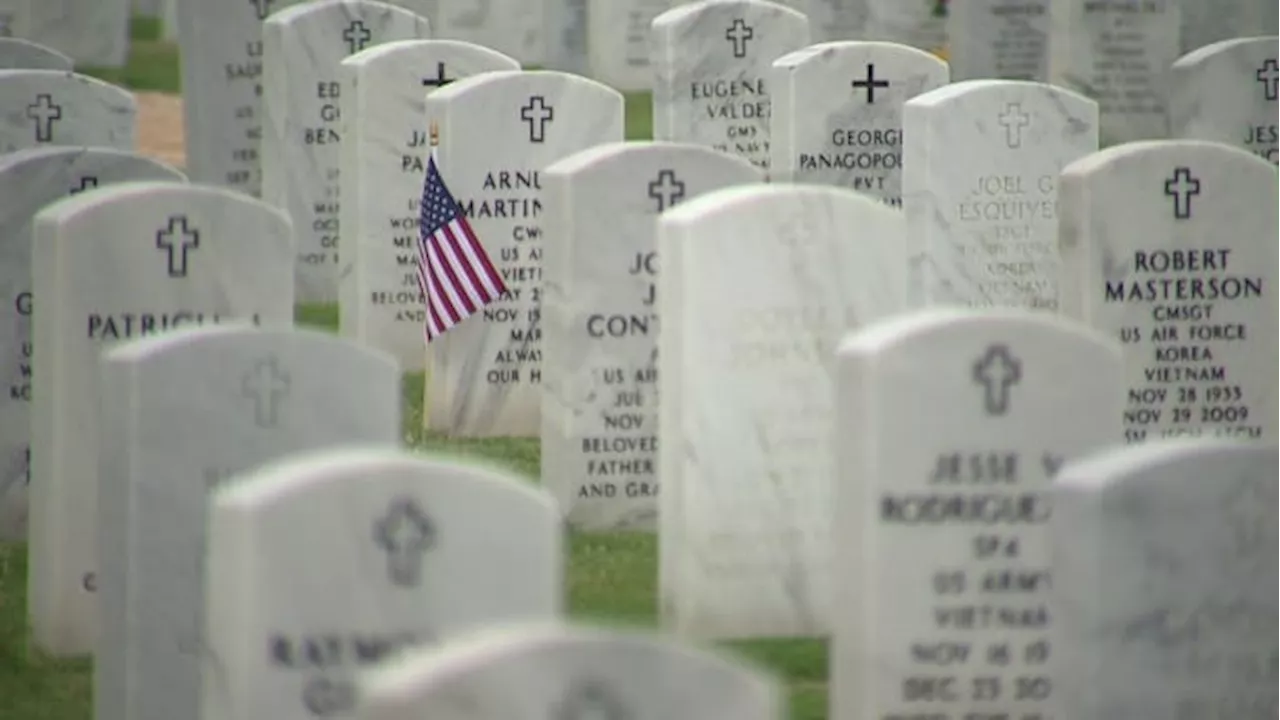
column 383, row 159
column 55, row 107
column 221, row 45
column 323, row 564
column 999, row 39
column 919, row 23
column 951, row 424
column 758, row 285
column 1227, row 92
column 19, row 54
column 511, row 27
column 91, row 32
column 980, row 186
column 302, row 48
column 619, row 42
column 498, row 131
column 15, row 19
column 837, row 20
column 710, row 62
column 536, row 672
column 564, row 28
column 1164, row 593
column 117, row 264
column 1171, row 246
column 1118, row 54
column 250, row 396
column 837, row 113
column 29, row 180
column 600, row 321
column 1205, row 23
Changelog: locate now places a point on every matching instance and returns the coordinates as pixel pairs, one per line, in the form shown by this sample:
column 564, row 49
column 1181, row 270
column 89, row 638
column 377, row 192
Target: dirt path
column 160, row 127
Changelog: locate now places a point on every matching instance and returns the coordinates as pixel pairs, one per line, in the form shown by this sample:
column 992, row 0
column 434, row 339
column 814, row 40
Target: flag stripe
column 458, row 270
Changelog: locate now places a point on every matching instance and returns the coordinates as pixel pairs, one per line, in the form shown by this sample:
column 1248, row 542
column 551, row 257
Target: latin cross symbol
column 405, row 534
column 870, row 83
column 356, row 35
column 439, row 80
column 267, row 386
column 997, row 371
column 1014, row 120
column 263, row 7
column 537, row 113
column 45, row 114
column 1268, row 75
column 738, row 34
column 1182, row 187
column 177, row 239
column 666, row 189
column 591, row 701
column 88, row 182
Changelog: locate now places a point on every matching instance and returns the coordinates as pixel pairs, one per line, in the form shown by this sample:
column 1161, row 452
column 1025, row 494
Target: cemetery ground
column 611, row 578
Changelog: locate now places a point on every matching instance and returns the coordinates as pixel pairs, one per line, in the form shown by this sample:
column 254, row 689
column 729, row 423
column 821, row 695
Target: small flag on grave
column 454, row 273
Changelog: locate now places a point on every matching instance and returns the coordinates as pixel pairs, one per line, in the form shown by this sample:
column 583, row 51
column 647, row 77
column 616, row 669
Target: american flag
column 454, row 273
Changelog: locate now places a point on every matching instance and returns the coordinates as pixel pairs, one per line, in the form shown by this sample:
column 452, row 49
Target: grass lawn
column 612, row 578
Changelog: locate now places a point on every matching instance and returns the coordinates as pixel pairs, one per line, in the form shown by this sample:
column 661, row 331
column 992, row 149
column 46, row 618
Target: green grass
column 612, row 579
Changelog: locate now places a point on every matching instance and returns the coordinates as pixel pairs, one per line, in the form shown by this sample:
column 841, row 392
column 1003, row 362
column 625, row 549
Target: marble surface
column 1085, row 40
column 511, row 27
column 951, row 424
column 758, row 285
column 837, row 114
column 600, row 321
column 564, row 24
column 979, row 184
column 383, row 164
column 1164, row 593
column 15, row 20
column 251, row 396
column 1226, row 92
column 1204, row 23
column 409, row 556
column 108, row 266
column 302, row 48
column 531, row 672
column 837, row 20
column 19, row 54
column 498, row 132
column 921, row 24
column 29, row 180
column 39, row 108
column 91, row 32
column 1145, row 258
column 999, row 39
column 221, row 46
column 619, row 42
column 710, row 64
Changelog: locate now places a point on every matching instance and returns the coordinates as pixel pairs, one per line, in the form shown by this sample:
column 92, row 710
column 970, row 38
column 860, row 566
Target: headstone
column 838, row 20
column 91, row 32
column 169, row 20
column 19, row 54
column 921, row 24
column 511, row 27
column 497, row 132
column 999, row 39
column 55, row 107
column 564, row 27
column 409, row 558
column 1118, row 54
column 147, row 8
column 222, row 71
column 745, row 383
column 711, row 66
column 1145, row 258
column 251, row 396
column 601, row 322
column 980, row 188
column 1164, row 593
column 15, row 18
column 837, row 117
column 1205, row 23
column 619, row 42
column 117, row 264
column 951, row 425
column 1226, row 92
column 385, row 147
column 531, row 672
column 29, row 180
column 302, row 47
